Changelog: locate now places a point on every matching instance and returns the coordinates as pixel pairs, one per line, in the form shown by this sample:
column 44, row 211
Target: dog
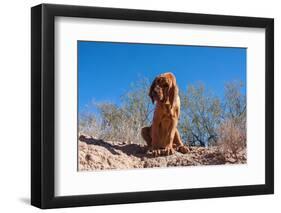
column 163, row 137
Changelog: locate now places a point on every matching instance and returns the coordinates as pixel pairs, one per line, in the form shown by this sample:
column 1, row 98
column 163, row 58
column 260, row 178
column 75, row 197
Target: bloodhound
column 163, row 137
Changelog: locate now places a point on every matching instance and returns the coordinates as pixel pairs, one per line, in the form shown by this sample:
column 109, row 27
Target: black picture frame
column 43, row 111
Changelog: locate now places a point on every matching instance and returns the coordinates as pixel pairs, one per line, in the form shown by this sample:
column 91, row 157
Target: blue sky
column 106, row 69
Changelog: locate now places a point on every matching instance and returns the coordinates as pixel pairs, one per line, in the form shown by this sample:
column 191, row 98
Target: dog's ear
column 173, row 91
column 151, row 89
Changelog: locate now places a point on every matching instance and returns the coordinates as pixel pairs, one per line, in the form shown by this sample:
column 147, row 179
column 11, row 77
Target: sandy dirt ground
column 95, row 154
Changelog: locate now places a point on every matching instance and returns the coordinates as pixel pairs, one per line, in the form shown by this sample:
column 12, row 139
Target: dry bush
column 200, row 115
column 118, row 125
column 113, row 123
column 121, row 122
column 205, row 120
column 89, row 124
column 232, row 138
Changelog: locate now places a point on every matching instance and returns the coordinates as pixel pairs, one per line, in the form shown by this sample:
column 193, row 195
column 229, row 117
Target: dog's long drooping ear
column 151, row 89
column 173, row 91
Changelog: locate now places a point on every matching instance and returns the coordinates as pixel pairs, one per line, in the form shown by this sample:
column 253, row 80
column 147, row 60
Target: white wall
column 15, row 105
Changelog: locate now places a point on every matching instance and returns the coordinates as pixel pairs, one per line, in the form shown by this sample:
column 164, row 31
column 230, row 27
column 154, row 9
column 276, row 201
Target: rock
column 231, row 160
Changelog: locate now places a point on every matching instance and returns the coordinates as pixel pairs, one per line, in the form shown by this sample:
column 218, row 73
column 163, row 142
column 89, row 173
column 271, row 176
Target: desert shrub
column 200, row 115
column 232, row 138
column 232, row 132
column 205, row 119
column 234, row 104
column 202, row 112
column 121, row 122
column 116, row 125
column 89, row 124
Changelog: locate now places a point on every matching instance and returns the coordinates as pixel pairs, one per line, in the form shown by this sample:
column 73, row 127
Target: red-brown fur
column 163, row 137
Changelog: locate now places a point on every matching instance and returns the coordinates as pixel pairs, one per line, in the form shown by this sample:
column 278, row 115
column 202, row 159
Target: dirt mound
column 95, row 154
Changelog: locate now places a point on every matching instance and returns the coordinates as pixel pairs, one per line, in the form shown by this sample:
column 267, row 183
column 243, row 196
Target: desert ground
column 95, row 154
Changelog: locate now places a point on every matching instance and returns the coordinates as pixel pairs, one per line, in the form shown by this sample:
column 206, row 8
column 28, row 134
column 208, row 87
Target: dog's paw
column 168, row 151
column 163, row 152
column 183, row 149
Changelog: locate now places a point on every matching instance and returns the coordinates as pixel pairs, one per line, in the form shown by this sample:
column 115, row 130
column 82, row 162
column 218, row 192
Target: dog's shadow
column 129, row 149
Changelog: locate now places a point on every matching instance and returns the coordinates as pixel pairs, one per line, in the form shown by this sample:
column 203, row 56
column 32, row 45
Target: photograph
column 146, row 105
column 141, row 105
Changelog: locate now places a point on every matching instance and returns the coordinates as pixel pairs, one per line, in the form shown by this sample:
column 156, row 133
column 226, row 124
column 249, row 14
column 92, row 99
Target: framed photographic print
column 140, row 106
